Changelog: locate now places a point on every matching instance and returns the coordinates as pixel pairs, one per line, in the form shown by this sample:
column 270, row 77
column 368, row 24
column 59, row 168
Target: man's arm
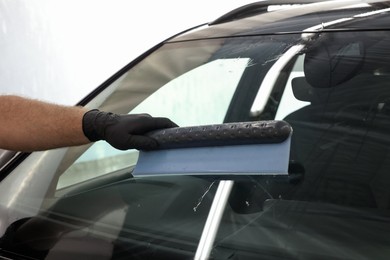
column 32, row 125
column 29, row 125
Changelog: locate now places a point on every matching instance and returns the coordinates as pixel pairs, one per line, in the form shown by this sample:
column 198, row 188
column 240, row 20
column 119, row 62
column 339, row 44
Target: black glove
column 123, row 131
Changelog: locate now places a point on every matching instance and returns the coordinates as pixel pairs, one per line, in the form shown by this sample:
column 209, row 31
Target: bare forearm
column 30, row 125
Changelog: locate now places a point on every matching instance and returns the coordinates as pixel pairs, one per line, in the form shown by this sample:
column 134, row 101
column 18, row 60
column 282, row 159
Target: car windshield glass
column 331, row 87
column 194, row 84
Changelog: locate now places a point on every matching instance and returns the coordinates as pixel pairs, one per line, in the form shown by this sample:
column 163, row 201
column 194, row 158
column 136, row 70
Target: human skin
column 33, row 125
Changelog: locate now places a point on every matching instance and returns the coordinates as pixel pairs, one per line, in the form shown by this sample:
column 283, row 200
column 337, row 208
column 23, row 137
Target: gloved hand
column 123, row 131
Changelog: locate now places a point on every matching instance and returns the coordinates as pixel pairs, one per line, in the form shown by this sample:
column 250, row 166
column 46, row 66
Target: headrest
column 331, row 62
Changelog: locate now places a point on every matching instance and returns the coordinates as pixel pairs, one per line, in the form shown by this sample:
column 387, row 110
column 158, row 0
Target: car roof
column 280, row 17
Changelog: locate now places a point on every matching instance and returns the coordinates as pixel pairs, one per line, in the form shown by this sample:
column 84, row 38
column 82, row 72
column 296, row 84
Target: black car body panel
column 312, row 17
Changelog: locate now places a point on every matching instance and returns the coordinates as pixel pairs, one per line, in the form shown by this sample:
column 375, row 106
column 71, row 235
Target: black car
column 318, row 68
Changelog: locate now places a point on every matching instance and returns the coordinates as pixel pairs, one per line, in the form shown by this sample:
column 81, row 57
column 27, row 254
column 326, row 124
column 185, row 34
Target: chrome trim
column 213, row 220
column 6, row 157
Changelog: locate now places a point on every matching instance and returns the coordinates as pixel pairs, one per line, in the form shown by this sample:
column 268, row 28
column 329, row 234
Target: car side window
column 288, row 102
column 200, row 96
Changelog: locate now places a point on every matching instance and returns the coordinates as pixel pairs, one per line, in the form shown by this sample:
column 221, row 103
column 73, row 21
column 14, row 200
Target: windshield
column 193, row 83
column 331, row 87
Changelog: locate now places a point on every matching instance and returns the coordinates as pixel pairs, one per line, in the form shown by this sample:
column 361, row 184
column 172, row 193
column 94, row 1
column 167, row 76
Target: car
column 311, row 78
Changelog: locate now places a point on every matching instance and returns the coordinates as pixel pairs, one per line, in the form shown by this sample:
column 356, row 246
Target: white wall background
column 59, row 50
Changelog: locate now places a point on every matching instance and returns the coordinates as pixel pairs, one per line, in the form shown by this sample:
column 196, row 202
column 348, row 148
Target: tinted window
column 338, row 205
